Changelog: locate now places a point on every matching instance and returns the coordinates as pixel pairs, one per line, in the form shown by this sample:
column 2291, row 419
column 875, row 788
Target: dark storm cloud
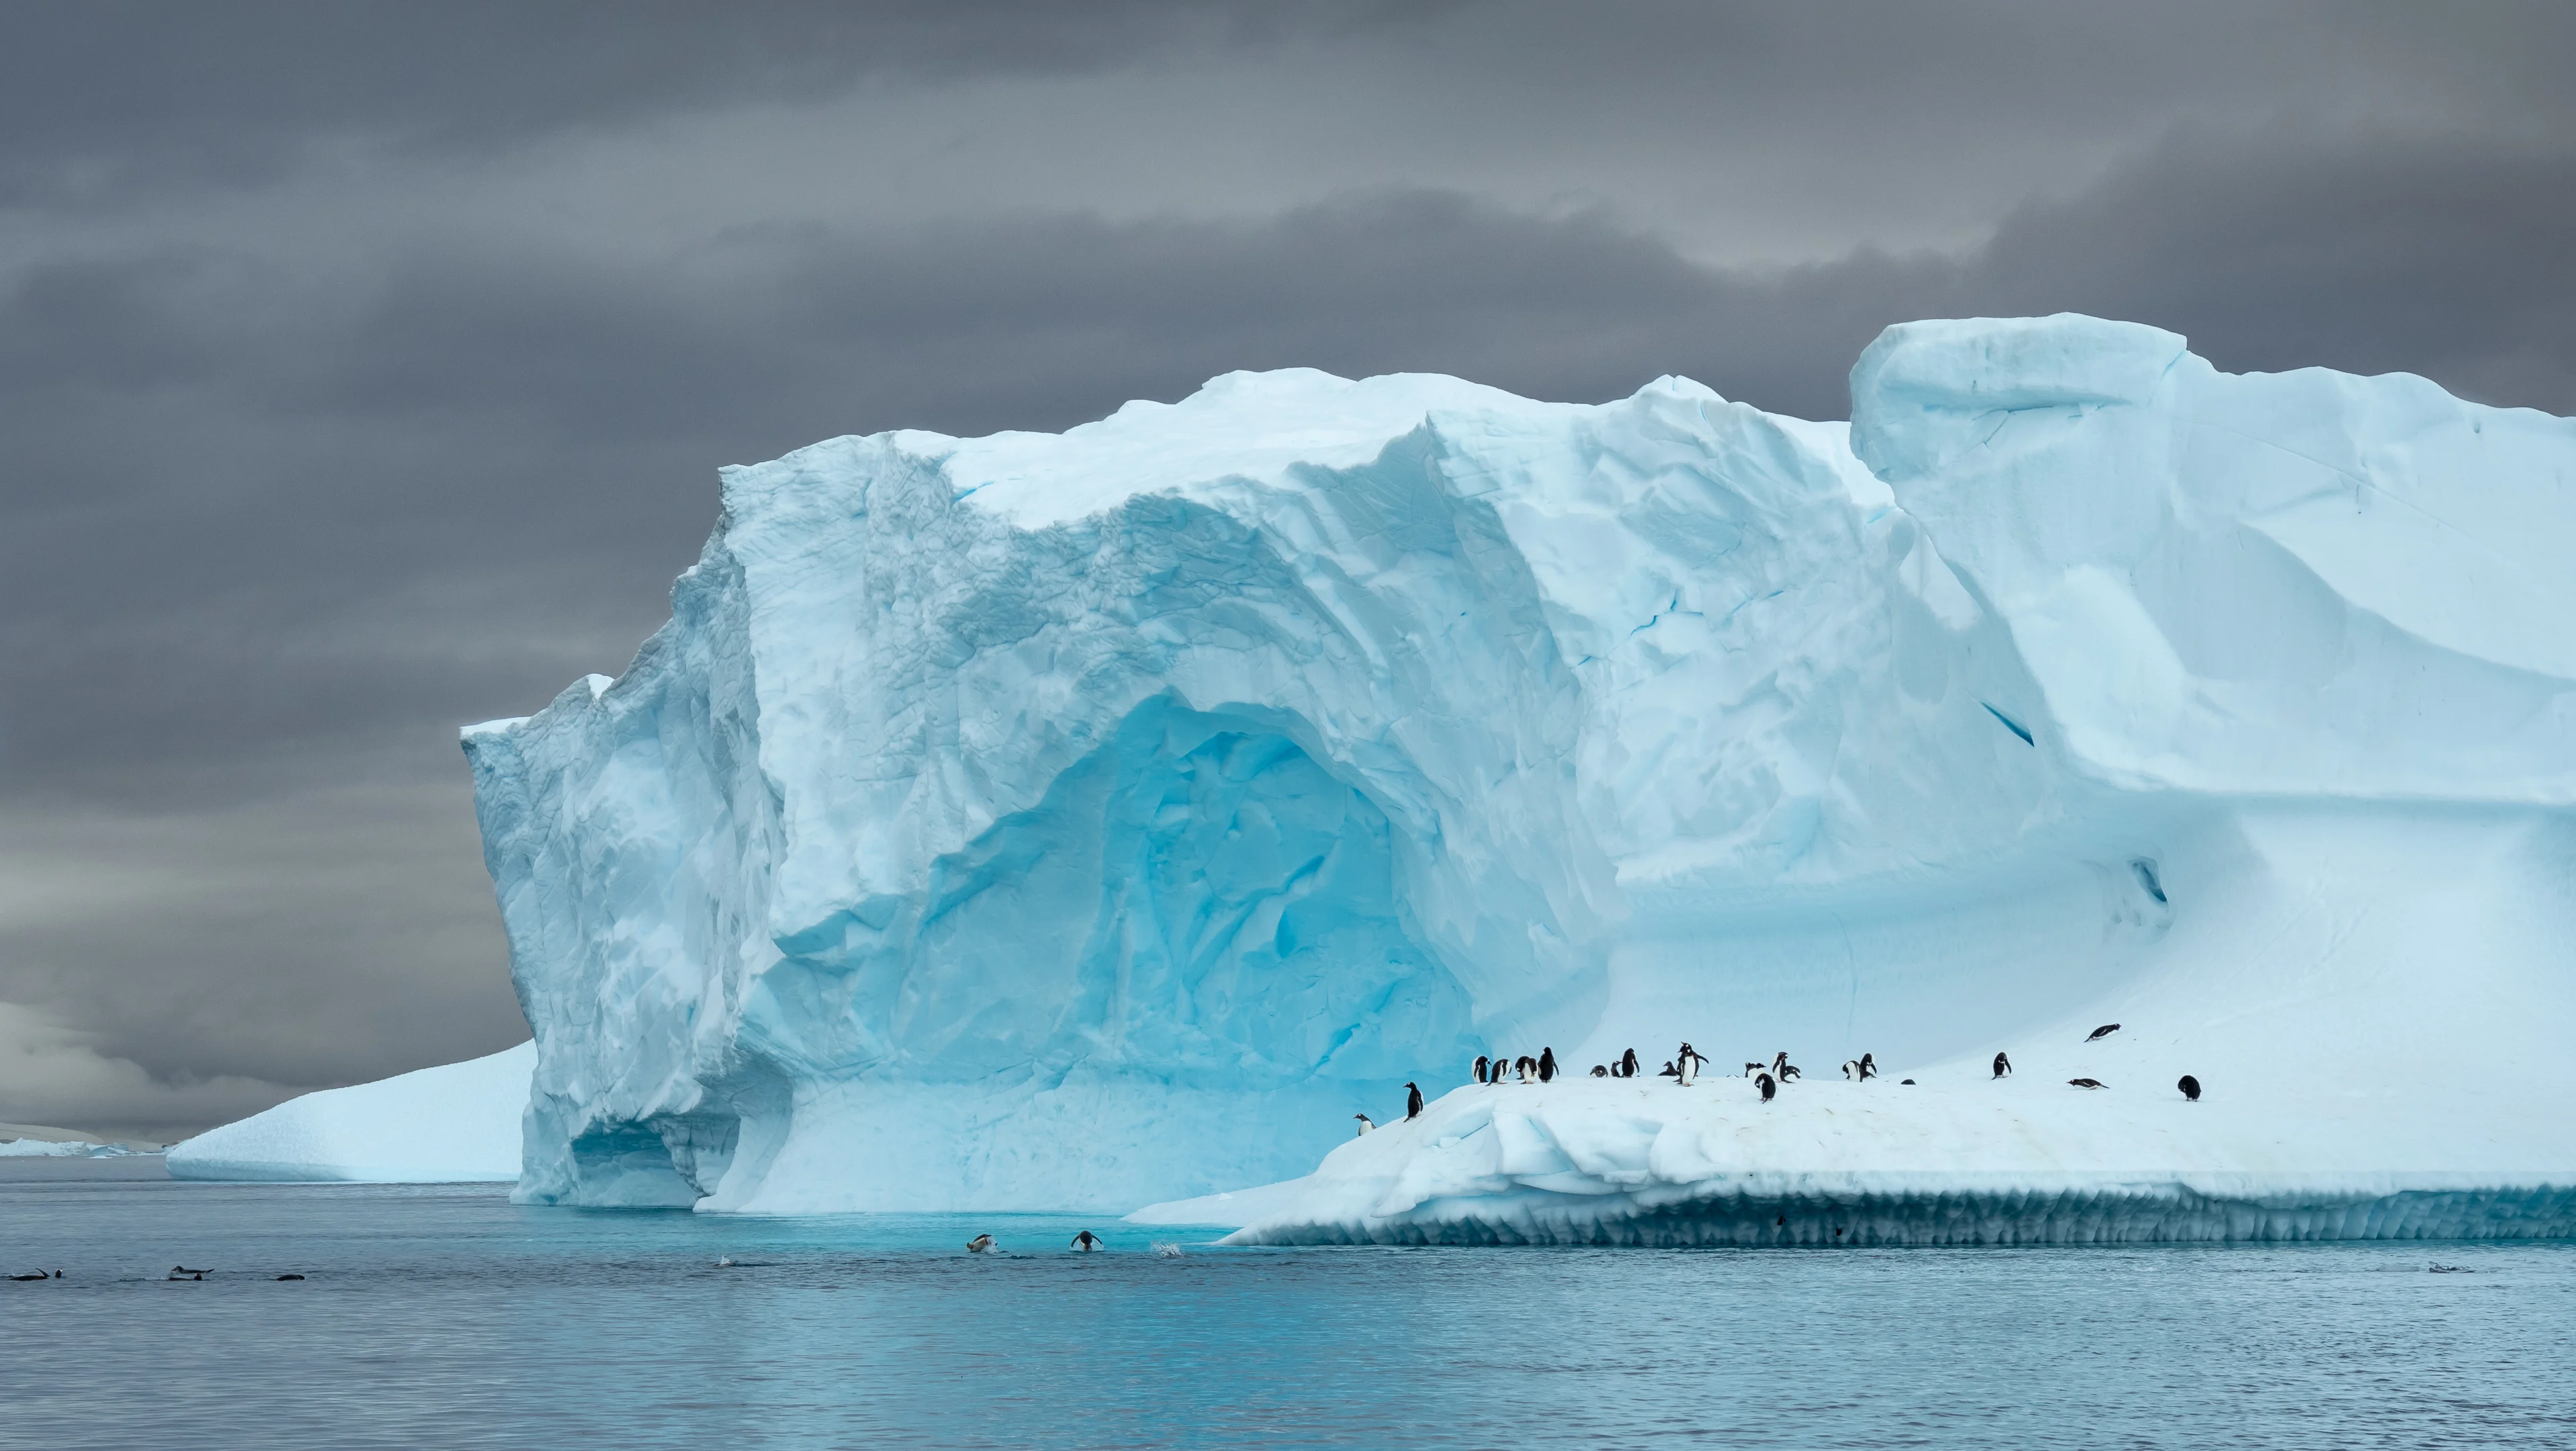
column 277, row 514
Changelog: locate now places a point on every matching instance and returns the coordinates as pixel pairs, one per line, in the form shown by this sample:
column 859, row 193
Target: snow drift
column 455, row 1123
column 1087, row 820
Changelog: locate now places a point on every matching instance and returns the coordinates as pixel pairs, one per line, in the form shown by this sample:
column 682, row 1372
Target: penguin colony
column 1685, row 1064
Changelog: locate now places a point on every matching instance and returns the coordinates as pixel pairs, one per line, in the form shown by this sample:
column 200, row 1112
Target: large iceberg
column 1082, row 821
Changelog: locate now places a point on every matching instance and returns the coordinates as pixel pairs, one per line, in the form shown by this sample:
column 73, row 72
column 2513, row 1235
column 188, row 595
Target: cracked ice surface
column 1094, row 819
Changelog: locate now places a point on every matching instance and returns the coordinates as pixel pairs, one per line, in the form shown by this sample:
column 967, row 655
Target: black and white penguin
column 2086, row 1083
column 2105, row 1031
column 1689, row 1061
column 2190, row 1087
column 1085, row 1242
column 1483, row 1066
column 1868, row 1067
column 38, row 1275
column 1782, row 1069
column 1547, row 1065
column 1366, row 1124
column 981, row 1244
column 1763, row 1084
column 1526, row 1067
column 1412, row 1102
column 1752, row 1068
column 1669, row 1071
column 1600, row 1070
column 290, row 1277
column 2003, row 1066
column 1628, row 1064
column 1851, row 1070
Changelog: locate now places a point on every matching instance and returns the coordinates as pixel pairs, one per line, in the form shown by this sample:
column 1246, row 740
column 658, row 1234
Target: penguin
column 1366, row 1124
column 2105, row 1031
column 1905, row 1083
column 2087, row 1083
column 2190, row 1087
column 192, row 1275
column 290, row 1277
column 2003, row 1066
column 1851, row 1070
column 1482, row 1064
column 1600, row 1070
column 1868, row 1067
column 38, row 1275
column 1085, row 1242
column 1412, row 1103
column 981, row 1244
column 1547, row 1065
column 1784, row 1070
column 1763, row 1083
column 1628, row 1064
column 1752, row 1068
column 1525, row 1066
column 184, row 1270
column 1669, row 1071
column 1689, row 1061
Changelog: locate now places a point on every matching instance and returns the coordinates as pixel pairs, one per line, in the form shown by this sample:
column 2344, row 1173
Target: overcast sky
column 364, row 369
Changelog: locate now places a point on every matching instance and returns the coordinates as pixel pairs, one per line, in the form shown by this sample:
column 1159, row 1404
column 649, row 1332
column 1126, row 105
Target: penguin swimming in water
column 1483, row 1064
column 1412, row 1103
column 2003, row 1066
column 1600, row 1070
column 290, row 1277
column 2105, row 1031
column 981, row 1244
column 1086, row 1242
column 1547, row 1065
column 1366, row 1123
column 1868, row 1067
column 1763, row 1083
column 2190, row 1087
column 2087, row 1083
column 38, row 1275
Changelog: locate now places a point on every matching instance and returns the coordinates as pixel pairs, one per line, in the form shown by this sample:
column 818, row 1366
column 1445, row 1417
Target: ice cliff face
column 1041, row 821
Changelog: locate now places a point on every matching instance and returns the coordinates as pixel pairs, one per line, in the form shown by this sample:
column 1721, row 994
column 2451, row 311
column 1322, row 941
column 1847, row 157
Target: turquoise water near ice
column 444, row 1316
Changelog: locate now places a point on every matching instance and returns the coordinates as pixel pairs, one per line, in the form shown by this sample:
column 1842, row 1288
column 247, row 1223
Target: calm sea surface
column 446, row 1317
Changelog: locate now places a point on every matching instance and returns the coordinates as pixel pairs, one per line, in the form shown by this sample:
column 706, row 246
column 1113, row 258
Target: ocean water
column 444, row 1316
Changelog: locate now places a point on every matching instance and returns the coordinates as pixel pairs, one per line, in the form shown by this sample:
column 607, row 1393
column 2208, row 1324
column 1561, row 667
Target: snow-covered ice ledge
column 2021, row 1161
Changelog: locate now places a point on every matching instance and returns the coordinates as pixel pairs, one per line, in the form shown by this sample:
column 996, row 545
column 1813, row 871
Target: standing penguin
column 1782, row 1069
column 1868, row 1066
column 2190, row 1087
column 1762, row 1082
column 1547, row 1065
column 1628, row 1064
column 1851, row 1069
column 1482, row 1064
column 1525, row 1066
column 1412, row 1102
column 2003, row 1066
column 1688, row 1061
column 1366, row 1124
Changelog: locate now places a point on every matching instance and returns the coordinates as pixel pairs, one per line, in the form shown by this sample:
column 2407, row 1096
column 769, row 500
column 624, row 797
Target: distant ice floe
column 452, row 1124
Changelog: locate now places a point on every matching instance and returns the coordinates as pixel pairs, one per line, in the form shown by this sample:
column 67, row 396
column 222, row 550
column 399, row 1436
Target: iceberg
column 455, row 1123
column 1100, row 819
